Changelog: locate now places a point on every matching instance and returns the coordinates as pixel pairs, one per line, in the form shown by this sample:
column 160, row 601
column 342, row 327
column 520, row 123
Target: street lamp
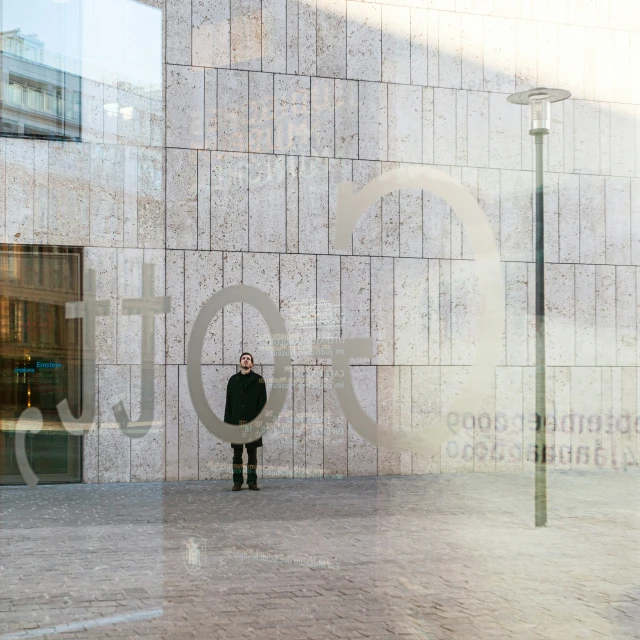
column 539, row 101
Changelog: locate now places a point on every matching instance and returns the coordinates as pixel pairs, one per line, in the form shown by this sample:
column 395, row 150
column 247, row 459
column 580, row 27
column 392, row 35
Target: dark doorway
column 40, row 357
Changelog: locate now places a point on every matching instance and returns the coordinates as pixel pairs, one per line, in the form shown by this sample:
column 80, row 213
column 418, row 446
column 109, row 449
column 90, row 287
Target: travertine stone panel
column 605, row 315
column 261, row 112
column 188, row 431
column 529, row 419
column 618, row 220
column 411, row 311
column 232, row 313
column 605, row 139
column 547, row 54
column 298, row 304
column 367, row 235
column 171, row 434
column 204, row 200
column 314, row 421
column 92, row 110
column 69, row 191
column 313, row 212
column 516, row 313
column 405, row 123
column 592, row 220
column 214, row 455
column 292, row 164
column 157, row 257
column 434, row 312
column 516, row 216
column 362, row 455
column 246, row 34
column 364, row 36
column 372, row 121
column 211, row 108
column 182, row 199
column 175, row 347
column 505, row 148
column 526, row 53
column 607, row 410
column 185, row 107
column 274, row 36
column 261, row 270
column 267, row 203
column 471, row 27
column 623, row 140
column 569, row 135
column 432, row 44
column 346, row 118
column 111, row 122
column 178, row 30
column 462, row 124
column 328, row 287
column 340, row 171
column 531, row 323
column 229, row 201
column 115, row 448
column 135, row 128
column 411, row 212
column 456, row 223
column 148, row 453
column 210, row 33
column 19, row 197
column 551, row 218
column 355, row 286
column 626, row 320
column 396, row 48
column 299, row 411
column 388, row 408
column 563, row 419
column 292, row 115
column 391, row 217
column 470, row 181
column 499, row 55
column 425, row 408
column 322, row 117
column 587, row 137
column 292, row 36
column 335, row 426
column 465, row 311
column 436, row 242
column 382, row 296
column 419, row 47
column 569, row 218
column 427, row 125
column 628, row 416
column 509, row 417
column 444, row 137
column 332, row 39
column 129, row 273
column 203, row 278
column 449, row 42
column 457, row 452
column 307, row 21
column 151, row 197
column 406, row 415
column 233, row 108
column 478, row 129
column 560, row 320
column 130, row 222
column 587, row 424
column 3, row 187
column 107, row 197
column 585, row 315
column 277, row 451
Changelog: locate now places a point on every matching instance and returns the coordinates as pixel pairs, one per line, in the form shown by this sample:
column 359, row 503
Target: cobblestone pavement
column 431, row 557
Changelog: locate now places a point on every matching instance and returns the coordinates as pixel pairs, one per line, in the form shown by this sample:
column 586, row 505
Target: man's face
column 246, row 363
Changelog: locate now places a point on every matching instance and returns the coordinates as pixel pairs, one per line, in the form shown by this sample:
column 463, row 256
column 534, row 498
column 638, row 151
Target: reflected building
column 39, row 98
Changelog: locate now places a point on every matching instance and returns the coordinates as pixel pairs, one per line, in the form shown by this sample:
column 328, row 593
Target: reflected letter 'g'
column 281, row 360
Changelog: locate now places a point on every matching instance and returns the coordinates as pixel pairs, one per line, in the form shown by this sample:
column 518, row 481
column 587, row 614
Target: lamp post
column 539, row 101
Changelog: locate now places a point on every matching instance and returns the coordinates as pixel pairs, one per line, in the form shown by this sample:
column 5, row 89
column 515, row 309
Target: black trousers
column 252, row 463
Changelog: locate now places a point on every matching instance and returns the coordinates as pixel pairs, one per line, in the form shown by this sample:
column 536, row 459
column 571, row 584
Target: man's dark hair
column 246, row 353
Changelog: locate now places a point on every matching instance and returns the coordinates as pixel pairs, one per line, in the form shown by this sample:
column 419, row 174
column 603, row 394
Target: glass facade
column 40, row 356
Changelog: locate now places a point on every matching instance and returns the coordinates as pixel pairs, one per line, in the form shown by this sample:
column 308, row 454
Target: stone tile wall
column 232, row 177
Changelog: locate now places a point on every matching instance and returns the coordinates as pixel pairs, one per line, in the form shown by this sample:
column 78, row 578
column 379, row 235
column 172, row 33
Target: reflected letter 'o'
column 281, row 371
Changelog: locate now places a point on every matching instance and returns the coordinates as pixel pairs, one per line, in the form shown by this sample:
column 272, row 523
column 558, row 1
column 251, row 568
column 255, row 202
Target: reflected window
column 40, row 69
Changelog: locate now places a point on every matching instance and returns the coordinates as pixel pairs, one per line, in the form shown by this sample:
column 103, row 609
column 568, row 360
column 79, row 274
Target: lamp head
column 539, row 101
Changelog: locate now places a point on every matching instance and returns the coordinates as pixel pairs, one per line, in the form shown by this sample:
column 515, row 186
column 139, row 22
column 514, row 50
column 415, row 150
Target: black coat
column 246, row 396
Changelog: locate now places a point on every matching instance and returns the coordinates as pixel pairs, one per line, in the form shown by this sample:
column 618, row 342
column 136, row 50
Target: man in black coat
column 246, row 396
